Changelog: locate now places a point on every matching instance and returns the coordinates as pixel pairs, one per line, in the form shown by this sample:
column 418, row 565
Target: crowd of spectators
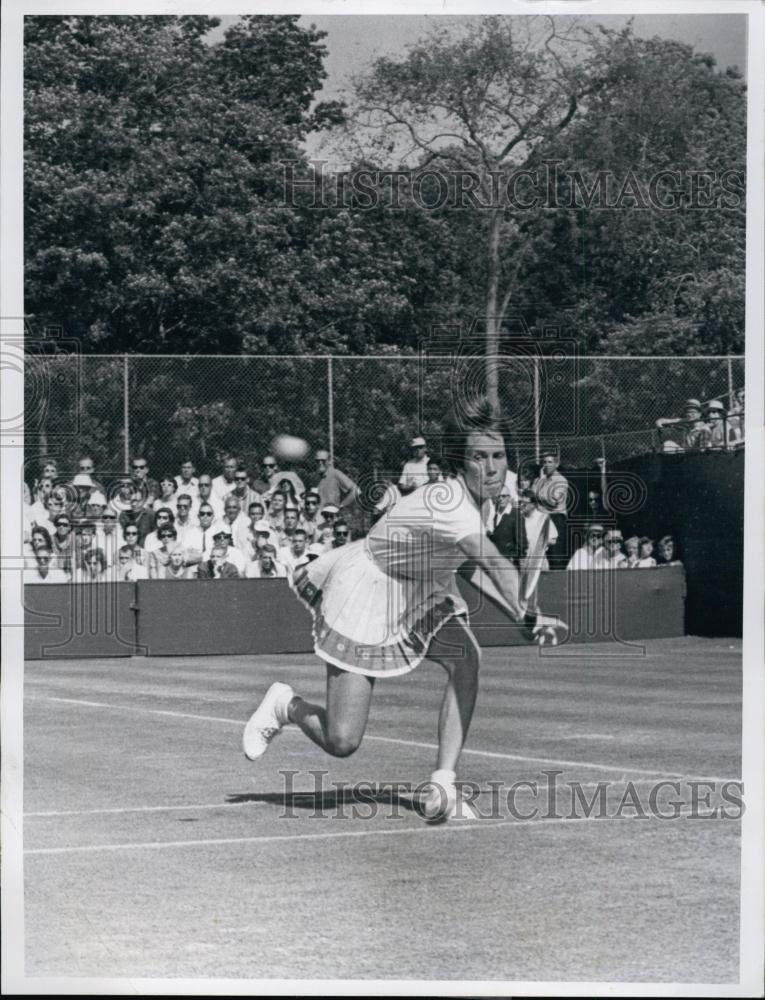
column 704, row 428
column 184, row 525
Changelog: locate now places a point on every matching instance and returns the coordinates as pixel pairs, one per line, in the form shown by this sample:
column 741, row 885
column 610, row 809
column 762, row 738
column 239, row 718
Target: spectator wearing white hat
column 329, row 515
column 266, row 566
column 225, row 561
column 86, row 467
column 334, row 486
column 591, row 554
column 694, row 432
column 415, row 471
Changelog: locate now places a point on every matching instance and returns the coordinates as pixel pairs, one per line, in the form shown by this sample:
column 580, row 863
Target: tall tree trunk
column 493, row 320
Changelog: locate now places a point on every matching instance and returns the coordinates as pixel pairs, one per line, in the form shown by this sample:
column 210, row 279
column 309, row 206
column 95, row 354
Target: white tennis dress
column 377, row 602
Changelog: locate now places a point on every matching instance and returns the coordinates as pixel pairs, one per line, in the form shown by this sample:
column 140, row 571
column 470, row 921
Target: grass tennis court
column 154, row 849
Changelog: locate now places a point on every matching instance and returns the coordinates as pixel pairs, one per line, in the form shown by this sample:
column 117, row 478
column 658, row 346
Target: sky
column 353, row 41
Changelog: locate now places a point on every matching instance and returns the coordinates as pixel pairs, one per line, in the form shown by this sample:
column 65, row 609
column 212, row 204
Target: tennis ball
column 289, row 448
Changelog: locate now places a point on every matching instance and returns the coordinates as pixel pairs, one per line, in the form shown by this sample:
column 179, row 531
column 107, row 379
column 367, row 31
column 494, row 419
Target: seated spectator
column 694, row 432
column 223, row 484
column 645, row 552
column 44, row 571
column 266, row 566
column 325, row 533
column 189, row 534
column 176, row 568
column 167, row 492
column 415, row 470
column 309, row 518
column 613, row 557
column 79, row 491
column 39, row 538
column 187, row 481
column 163, row 518
column 388, row 496
column 142, row 481
column 38, row 511
column 737, row 416
column 84, row 540
column 159, row 555
column 86, row 467
column 63, row 544
column 435, row 472
column 108, row 536
column 138, row 516
column 720, row 436
column 276, row 510
column 92, row 567
column 235, row 523
column 49, row 470
column 314, row 550
column 224, row 543
column 128, row 568
column 291, row 554
column 667, row 552
column 220, row 565
column 341, row 533
column 137, row 554
column 244, row 494
column 289, row 526
column 272, row 476
column 120, row 500
column 95, row 507
column 590, row 555
column 507, row 530
column 632, row 548
column 54, row 505
column 206, row 521
column 206, row 495
column 255, row 514
column 264, row 535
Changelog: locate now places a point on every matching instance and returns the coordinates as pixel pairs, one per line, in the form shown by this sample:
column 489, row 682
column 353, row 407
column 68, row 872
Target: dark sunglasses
column 137, row 467
column 241, row 479
column 131, row 531
column 269, row 465
column 205, row 513
column 341, row 534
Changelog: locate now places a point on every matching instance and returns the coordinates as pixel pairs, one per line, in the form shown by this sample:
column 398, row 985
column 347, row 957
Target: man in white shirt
column 223, row 546
column 236, row 523
column 206, row 530
column 205, row 494
column 189, row 533
column 415, row 471
column 591, row 554
column 43, row 572
column 222, row 485
column 290, row 555
column 266, row 565
column 187, row 481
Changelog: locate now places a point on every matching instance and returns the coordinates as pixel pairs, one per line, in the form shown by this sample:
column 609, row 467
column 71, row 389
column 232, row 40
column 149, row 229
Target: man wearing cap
column 223, row 553
column 334, row 486
column 719, row 430
column 591, row 554
column 326, row 528
column 415, row 471
column 695, row 433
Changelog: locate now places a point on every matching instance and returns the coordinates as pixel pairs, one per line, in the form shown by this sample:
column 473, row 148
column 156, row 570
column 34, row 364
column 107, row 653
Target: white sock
column 443, row 777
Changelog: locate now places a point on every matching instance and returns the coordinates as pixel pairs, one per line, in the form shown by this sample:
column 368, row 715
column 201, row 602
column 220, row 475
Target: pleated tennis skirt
column 369, row 622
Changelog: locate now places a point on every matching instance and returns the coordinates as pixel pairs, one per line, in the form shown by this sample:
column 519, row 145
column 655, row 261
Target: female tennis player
column 383, row 603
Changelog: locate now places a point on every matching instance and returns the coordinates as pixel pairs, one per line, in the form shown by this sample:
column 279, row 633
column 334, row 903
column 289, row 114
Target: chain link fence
column 363, row 409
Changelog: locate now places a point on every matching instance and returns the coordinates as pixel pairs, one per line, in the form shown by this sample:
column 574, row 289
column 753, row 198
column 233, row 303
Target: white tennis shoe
column 441, row 801
column 267, row 721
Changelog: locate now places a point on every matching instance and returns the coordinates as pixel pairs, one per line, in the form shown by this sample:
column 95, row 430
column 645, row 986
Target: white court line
column 273, row 838
column 194, row 807
column 586, row 765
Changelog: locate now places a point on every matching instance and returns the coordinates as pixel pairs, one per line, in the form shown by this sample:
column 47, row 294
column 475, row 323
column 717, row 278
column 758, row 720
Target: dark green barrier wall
column 63, row 619
column 235, row 617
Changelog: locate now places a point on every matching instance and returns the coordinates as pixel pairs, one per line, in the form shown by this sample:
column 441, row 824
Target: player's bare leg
column 338, row 729
column 457, row 651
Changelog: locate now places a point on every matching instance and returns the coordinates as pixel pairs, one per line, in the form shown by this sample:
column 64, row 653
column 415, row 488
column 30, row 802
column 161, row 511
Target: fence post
column 537, row 456
column 730, row 383
column 126, row 411
column 330, row 411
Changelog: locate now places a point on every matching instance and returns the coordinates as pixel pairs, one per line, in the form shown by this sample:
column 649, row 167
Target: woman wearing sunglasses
column 384, row 603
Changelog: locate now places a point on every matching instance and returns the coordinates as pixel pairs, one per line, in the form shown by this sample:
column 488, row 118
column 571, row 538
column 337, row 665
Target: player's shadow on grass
column 327, row 801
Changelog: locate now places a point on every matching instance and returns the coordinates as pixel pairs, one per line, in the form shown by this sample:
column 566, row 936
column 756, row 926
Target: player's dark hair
column 472, row 416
